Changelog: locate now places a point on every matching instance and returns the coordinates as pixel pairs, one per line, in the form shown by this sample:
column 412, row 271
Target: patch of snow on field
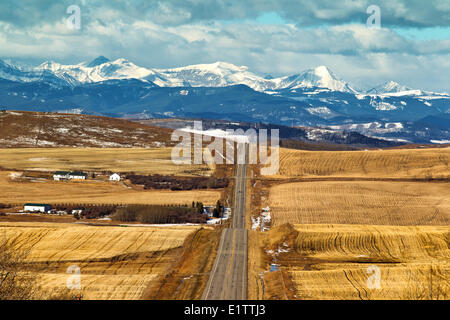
column 391, row 139
column 219, row 134
column 265, row 222
column 262, row 222
column 283, row 249
column 104, row 144
column 15, row 175
column 18, row 140
column 215, row 220
column 102, row 130
column 16, row 213
column 256, row 222
column 71, row 111
column 46, row 143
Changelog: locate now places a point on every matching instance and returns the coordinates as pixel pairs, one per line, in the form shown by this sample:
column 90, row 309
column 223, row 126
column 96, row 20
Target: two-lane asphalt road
column 228, row 278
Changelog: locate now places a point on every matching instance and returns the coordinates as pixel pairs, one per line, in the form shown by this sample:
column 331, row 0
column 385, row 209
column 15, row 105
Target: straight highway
column 228, row 277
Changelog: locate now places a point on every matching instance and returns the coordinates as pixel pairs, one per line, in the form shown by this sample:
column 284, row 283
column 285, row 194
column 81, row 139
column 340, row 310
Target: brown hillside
column 38, row 129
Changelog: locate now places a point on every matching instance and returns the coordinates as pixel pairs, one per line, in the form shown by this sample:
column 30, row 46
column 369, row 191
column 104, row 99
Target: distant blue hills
column 314, row 98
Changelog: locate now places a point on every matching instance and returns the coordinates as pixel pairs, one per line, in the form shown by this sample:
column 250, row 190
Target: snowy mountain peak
column 216, row 74
column 323, row 71
column 117, row 69
column 388, row 87
column 324, row 77
column 320, row 77
column 49, row 65
column 229, row 66
column 392, row 85
column 98, row 61
column 122, row 61
column 216, row 67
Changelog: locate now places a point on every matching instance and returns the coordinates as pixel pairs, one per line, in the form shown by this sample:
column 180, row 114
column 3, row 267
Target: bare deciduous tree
column 15, row 282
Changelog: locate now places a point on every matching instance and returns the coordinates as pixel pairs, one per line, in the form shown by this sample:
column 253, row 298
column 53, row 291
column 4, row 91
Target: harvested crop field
column 115, row 262
column 361, row 202
column 393, row 163
column 410, row 282
column 332, row 261
column 94, row 192
column 340, row 218
column 138, row 160
column 362, row 243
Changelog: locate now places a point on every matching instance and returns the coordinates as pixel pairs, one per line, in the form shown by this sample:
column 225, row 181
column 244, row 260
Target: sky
column 271, row 37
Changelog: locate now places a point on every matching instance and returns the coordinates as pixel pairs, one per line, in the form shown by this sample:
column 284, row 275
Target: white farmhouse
column 114, row 177
column 36, row 207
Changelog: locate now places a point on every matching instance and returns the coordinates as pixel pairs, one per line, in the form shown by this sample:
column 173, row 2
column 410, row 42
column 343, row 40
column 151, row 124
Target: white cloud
column 164, row 35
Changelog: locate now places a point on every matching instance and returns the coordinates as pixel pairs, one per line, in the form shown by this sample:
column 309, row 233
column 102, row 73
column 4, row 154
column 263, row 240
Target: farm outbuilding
column 66, row 175
column 61, row 175
column 114, row 177
column 208, row 210
column 78, row 175
column 36, row 207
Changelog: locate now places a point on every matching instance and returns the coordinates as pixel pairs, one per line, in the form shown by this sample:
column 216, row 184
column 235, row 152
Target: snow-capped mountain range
column 314, row 97
column 218, row 74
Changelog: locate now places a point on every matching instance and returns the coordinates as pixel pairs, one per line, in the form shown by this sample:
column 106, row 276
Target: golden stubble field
column 115, row 262
column 361, row 202
column 335, row 214
column 94, row 192
column 393, row 163
column 138, row 160
column 339, row 262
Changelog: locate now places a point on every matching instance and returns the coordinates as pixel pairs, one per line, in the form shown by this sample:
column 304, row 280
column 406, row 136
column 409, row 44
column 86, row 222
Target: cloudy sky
column 271, row 37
